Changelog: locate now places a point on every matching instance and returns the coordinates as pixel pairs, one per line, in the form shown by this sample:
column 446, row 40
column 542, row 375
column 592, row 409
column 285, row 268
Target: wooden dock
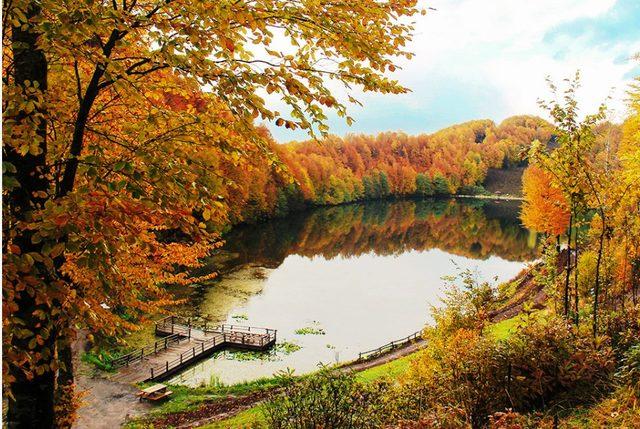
column 184, row 343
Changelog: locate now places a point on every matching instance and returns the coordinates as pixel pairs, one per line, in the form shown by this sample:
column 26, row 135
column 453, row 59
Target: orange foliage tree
column 545, row 208
column 114, row 157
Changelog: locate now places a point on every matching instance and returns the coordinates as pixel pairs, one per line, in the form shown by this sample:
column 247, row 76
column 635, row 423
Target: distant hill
column 504, row 181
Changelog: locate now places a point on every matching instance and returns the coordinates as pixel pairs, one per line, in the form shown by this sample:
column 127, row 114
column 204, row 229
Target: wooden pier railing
column 206, row 341
column 152, row 349
column 370, row 354
column 185, row 358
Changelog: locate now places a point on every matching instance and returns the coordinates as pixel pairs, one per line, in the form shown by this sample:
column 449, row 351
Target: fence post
column 152, row 373
column 180, row 358
column 194, row 352
column 189, row 333
column 167, row 365
column 202, row 346
column 155, row 348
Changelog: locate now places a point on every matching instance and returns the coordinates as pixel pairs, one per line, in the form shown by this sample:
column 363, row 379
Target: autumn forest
column 479, row 274
column 360, row 167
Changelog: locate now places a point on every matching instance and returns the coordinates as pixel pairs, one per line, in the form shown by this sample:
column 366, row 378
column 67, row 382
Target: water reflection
column 364, row 273
column 472, row 228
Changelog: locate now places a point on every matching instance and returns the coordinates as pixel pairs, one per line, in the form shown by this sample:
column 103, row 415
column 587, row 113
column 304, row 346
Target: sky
column 489, row 59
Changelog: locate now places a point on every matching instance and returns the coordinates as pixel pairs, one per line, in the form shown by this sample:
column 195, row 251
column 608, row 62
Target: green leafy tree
column 441, row 185
column 424, row 186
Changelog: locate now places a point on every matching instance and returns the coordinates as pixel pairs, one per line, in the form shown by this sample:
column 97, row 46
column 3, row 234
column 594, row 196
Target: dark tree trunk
column 576, row 307
column 568, row 269
column 596, row 288
column 65, row 356
column 31, row 402
column 635, row 277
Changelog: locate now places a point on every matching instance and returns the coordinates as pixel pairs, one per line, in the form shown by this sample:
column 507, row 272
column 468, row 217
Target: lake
column 340, row 280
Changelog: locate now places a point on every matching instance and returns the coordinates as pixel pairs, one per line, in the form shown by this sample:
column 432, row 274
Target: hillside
column 459, row 159
column 504, row 181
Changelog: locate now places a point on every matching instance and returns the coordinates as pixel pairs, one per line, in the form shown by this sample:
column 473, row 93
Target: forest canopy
column 391, row 164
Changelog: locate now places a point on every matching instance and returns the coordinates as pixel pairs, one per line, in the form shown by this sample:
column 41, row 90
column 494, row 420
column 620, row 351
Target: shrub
column 473, row 190
column 100, row 359
column 629, row 372
column 328, row 400
column 542, row 363
column 465, row 305
column 548, row 361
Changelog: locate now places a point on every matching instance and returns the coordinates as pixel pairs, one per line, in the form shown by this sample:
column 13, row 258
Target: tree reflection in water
column 472, row 228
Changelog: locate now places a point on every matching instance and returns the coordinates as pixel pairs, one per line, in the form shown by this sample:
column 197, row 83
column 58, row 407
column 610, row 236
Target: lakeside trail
column 211, row 412
column 109, row 405
column 105, row 404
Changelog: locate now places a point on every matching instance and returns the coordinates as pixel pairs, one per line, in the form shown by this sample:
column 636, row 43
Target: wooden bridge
column 184, row 343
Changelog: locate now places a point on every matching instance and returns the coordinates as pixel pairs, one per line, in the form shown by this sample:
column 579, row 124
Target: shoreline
column 489, row 197
column 212, row 412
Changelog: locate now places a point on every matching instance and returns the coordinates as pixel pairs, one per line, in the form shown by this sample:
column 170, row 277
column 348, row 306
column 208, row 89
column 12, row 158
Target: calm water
column 355, row 276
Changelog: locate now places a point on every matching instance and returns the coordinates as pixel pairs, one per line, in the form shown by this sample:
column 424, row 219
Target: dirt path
column 387, row 357
column 110, row 404
column 105, row 404
column 211, row 412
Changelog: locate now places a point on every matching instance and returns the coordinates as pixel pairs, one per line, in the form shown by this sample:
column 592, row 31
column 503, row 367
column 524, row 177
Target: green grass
column 250, row 418
column 253, row 416
column 393, row 369
column 187, row 398
column 503, row 329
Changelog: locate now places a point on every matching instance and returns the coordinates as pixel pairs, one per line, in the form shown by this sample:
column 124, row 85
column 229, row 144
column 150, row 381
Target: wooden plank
column 196, row 344
column 155, row 388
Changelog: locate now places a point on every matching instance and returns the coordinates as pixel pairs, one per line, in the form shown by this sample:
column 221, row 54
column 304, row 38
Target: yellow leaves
column 160, row 148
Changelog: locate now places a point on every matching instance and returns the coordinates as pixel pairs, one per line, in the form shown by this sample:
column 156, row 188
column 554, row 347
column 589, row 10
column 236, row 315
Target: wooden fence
column 370, row 354
column 204, row 347
column 154, row 348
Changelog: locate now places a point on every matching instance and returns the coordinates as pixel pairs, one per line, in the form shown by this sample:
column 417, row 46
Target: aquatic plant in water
column 275, row 354
column 315, row 329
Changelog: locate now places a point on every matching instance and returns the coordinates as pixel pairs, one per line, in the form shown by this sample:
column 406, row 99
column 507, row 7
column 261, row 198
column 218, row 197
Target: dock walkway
column 184, row 343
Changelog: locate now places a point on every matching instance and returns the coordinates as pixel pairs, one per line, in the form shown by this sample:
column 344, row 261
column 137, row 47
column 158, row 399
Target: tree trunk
column 568, row 269
column 30, row 404
column 576, row 307
column 596, row 288
column 65, row 356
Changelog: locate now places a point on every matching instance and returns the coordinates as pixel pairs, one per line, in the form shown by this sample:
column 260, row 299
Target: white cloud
column 496, row 50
